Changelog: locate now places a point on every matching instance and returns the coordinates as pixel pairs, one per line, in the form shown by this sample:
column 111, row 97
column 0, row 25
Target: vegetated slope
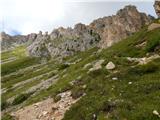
column 130, row 91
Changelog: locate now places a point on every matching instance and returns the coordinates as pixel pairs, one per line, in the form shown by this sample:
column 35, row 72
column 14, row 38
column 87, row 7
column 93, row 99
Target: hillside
column 116, row 83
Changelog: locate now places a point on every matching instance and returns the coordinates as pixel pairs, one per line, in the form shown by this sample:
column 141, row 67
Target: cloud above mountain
column 26, row 16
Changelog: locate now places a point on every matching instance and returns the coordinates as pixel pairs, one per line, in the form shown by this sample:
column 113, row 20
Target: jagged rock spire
column 157, row 7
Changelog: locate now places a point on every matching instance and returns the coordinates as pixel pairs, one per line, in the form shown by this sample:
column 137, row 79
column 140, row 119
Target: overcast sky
column 28, row 16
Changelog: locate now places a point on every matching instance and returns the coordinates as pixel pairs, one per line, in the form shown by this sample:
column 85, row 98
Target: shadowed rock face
column 114, row 28
column 157, row 7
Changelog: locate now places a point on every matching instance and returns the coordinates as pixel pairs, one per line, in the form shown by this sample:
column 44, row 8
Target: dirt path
column 47, row 109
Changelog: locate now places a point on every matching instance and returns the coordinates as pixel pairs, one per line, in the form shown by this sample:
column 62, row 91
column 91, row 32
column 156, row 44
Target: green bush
column 144, row 69
column 63, row 66
column 4, row 105
column 152, row 44
column 77, row 92
column 20, row 98
column 153, row 40
column 98, row 72
column 65, row 88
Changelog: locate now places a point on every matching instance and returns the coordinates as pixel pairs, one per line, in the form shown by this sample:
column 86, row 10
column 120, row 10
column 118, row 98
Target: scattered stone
column 110, row 66
column 114, row 78
column 44, row 113
column 97, row 65
column 155, row 112
column 87, row 65
column 47, row 109
column 99, row 50
column 129, row 83
column 84, row 86
column 94, row 117
column 143, row 60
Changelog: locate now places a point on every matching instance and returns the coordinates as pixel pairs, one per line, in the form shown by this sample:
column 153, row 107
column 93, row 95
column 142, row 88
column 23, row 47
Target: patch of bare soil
column 47, row 109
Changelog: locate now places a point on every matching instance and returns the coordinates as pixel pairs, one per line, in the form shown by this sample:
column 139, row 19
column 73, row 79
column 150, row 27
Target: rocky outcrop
column 157, row 7
column 117, row 27
column 102, row 32
column 110, row 66
column 63, row 42
column 9, row 42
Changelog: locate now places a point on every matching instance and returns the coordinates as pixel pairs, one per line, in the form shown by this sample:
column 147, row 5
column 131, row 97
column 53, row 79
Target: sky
column 31, row 16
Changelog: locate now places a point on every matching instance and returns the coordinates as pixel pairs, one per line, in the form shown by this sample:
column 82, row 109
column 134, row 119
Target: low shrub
column 77, row 92
column 152, row 44
column 65, row 88
column 7, row 117
column 98, row 72
column 4, row 105
column 153, row 41
column 20, row 98
column 144, row 69
column 63, row 66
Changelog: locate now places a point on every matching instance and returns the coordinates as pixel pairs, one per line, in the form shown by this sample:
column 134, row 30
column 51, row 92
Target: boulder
column 110, row 66
column 97, row 65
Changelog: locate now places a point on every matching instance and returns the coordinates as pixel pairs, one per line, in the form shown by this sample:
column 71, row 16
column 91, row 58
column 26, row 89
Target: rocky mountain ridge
column 9, row 42
column 102, row 33
column 114, row 28
column 62, row 42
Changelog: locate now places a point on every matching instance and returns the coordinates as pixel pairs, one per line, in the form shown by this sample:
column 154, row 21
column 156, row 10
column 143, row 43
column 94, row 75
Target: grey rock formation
column 110, row 66
column 117, row 27
column 63, row 42
column 9, row 42
column 157, row 7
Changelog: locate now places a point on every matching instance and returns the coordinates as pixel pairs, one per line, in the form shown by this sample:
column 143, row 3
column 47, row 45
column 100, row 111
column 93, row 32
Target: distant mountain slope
column 9, row 42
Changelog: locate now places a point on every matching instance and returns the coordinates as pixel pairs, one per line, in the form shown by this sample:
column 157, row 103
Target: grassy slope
column 108, row 99
column 118, row 100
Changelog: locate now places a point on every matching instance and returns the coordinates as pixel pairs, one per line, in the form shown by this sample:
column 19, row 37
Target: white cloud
column 28, row 16
column 31, row 14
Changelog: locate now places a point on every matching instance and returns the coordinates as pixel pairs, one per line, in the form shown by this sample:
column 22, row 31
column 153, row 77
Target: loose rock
column 110, row 66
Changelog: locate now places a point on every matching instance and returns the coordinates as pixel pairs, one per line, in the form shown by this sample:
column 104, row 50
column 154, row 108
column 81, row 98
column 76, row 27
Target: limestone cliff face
column 157, row 7
column 117, row 27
